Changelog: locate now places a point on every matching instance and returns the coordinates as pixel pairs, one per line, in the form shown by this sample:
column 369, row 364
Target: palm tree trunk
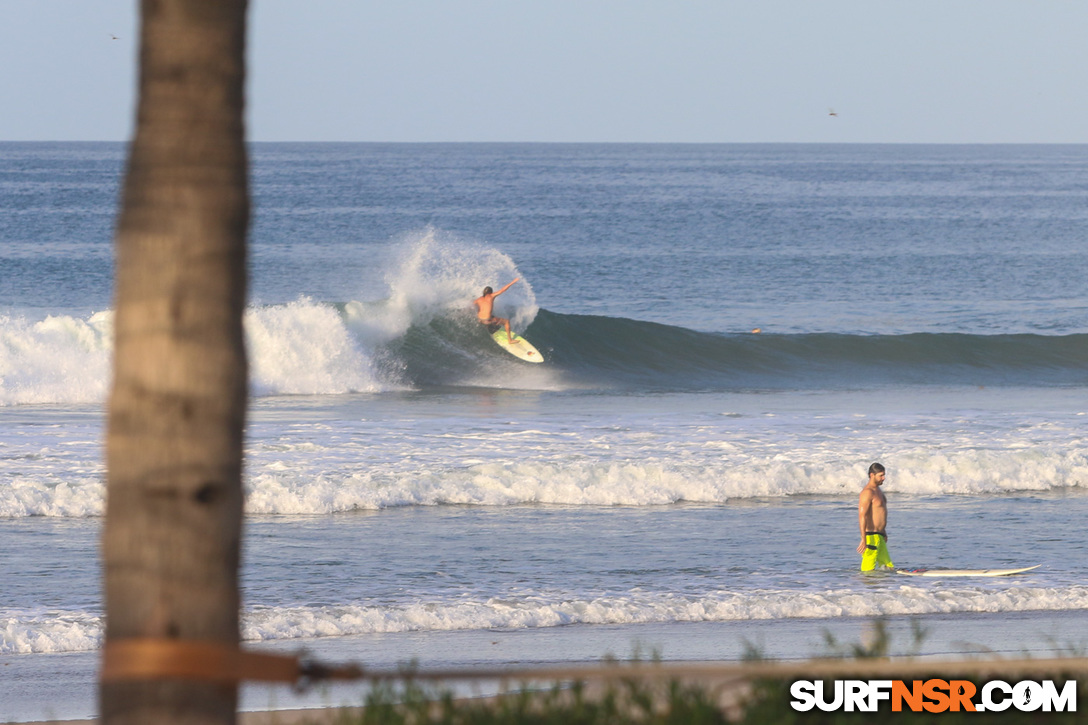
column 177, row 409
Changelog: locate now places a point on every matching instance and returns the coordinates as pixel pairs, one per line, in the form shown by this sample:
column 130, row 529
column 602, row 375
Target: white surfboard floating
column 519, row 347
column 964, row 572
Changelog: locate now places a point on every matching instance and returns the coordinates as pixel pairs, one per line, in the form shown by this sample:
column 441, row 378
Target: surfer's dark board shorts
column 493, row 325
column 876, row 552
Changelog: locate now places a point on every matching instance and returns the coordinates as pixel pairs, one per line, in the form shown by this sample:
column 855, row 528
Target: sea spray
column 307, row 347
column 439, row 273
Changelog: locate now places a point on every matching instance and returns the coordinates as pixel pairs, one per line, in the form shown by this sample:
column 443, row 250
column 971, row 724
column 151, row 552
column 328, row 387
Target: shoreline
column 30, row 680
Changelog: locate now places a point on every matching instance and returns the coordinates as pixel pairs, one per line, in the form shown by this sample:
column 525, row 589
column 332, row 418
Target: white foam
column 43, row 632
column 632, row 483
column 305, row 348
column 646, row 607
column 58, row 359
column 307, row 478
column 45, row 496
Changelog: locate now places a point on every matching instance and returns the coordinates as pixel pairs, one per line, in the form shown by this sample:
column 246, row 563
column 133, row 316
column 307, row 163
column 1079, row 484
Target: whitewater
column 731, row 335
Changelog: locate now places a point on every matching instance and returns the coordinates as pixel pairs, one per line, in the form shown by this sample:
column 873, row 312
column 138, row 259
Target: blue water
column 668, row 466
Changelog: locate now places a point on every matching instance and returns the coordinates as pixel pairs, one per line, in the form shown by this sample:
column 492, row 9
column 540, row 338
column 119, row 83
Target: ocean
column 731, row 334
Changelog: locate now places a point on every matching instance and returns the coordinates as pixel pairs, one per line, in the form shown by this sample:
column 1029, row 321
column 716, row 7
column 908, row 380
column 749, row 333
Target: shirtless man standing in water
column 873, row 522
column 485, row 311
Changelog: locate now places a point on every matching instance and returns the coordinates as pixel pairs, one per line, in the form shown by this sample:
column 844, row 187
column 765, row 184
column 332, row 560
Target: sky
column 688, row 71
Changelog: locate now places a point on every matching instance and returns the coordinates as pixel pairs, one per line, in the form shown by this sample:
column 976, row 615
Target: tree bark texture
column 177, row 409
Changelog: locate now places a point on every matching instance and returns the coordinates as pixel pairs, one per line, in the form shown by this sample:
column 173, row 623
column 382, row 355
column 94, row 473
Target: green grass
column 629, row 702
column 641, row 703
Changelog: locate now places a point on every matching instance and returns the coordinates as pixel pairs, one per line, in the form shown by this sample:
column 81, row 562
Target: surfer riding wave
column 485, row 311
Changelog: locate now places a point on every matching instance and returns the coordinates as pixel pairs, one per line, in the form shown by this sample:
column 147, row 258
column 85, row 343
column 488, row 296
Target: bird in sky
column 832, row 112
column 114, row 37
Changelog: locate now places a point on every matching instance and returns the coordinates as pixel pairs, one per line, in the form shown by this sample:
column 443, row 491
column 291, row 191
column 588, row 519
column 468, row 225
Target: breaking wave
column 30, row 632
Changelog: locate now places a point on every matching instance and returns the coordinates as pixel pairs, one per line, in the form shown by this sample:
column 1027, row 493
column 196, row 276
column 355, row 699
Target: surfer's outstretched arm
column 506, row 287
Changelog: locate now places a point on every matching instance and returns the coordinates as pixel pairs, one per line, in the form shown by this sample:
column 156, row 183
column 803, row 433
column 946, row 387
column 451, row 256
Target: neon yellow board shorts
column 876, row 552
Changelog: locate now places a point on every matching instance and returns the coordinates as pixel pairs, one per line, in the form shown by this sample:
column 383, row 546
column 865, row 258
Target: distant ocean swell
column 43, row 632
column 312, row 348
